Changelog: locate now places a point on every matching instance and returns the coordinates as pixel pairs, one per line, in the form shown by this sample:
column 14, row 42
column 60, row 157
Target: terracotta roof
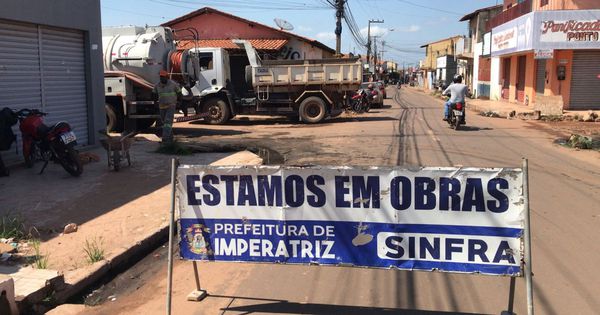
column 211, row 10
column 274, row 44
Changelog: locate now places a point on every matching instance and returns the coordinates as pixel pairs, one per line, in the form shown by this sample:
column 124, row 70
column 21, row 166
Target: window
column 543, row 3
column 206, row 61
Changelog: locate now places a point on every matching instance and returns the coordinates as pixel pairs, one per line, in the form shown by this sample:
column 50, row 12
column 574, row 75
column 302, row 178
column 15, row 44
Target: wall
column 82, row 15
column 566, row 5
column 437, row 49
column 530, row 80
column 555, row 87
column 217, row 26
column 495, row 87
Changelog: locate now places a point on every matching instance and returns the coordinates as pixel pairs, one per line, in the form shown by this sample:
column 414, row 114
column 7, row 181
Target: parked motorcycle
column 456, row 115
column 48, row 143
column 361, row 101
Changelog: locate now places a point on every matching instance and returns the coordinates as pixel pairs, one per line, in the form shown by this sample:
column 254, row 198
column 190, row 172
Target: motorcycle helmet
column 457, row 78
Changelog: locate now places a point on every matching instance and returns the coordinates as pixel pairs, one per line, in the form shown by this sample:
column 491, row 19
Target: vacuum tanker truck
column 216, row 83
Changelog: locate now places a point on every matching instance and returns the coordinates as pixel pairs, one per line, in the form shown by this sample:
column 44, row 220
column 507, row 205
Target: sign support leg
column 511, row 298
column 174, row 164
column 527, row 256
column 198, row 294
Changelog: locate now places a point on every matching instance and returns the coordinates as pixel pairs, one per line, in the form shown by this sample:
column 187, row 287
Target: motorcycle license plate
column 68, row 137
column 458, row 113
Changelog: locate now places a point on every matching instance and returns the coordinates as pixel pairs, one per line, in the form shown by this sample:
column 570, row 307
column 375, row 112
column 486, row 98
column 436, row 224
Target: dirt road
column 565, row 192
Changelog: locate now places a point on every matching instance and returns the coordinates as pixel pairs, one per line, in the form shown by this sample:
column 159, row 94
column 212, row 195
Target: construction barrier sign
column 467, row 220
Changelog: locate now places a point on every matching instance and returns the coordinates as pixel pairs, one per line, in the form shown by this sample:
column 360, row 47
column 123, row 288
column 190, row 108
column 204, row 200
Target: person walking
column 168, row 93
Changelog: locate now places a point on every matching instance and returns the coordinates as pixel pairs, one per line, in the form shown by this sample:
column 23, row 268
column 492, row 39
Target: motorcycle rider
column 458, row 93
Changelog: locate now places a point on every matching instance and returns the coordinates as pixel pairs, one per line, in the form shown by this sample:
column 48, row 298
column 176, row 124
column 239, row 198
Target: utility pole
column 369, row 39
column 338, row 26
column 375, row 55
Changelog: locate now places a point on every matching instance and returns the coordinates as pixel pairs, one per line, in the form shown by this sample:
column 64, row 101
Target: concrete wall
column 566, row 5
column 82, row 15
column 495, row 88
column 441, row 48
column 217, row 26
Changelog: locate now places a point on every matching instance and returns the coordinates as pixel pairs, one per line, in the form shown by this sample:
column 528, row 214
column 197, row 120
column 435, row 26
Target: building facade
column 478, row 59
column 51, row 60
column 547, row 54
column 440, row 62
column 217, row 28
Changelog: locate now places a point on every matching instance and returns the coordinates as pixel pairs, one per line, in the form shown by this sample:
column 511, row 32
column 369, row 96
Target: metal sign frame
column 526, row 263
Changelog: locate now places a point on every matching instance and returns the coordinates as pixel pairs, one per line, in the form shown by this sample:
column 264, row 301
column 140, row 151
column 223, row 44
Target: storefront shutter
column 20, row 77
column 585, row 84
column 63, row 61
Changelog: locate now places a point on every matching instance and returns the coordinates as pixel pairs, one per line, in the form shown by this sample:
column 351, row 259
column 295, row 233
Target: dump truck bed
column 343, row 72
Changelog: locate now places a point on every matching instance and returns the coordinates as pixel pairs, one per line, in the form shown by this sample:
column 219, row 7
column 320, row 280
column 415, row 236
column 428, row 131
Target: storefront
column 549, row 59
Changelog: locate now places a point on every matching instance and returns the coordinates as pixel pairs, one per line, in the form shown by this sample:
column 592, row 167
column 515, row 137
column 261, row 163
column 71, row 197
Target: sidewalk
column 125, row 213
column 505, row 109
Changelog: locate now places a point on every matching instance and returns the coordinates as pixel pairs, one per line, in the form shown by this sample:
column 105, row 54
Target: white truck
column 219, row 84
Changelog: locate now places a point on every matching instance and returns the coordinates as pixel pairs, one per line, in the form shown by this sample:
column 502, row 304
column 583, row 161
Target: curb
column 104, row 267
column 129, row 256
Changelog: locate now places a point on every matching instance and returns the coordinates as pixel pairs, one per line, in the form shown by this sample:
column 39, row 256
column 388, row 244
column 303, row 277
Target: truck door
column 208, row 73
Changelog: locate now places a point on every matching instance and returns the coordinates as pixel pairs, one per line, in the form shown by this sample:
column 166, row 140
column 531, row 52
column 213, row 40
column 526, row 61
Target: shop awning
column 258, row 44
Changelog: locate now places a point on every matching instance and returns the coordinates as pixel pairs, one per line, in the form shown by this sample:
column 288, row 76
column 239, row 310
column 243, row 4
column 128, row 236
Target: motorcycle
column 48, row 143
column 361, row 101
column 456, row 115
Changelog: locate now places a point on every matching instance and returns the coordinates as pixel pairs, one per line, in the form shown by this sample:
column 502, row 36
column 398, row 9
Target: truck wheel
column 218, row 111
column 312, row 110
column 114, row 119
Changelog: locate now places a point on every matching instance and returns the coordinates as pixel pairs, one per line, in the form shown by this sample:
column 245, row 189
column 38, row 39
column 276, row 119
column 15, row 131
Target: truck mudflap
column 231, row 103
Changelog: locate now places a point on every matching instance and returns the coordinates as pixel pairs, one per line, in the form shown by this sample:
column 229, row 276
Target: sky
column 407, row 25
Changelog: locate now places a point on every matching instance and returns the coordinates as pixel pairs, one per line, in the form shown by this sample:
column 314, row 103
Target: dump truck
column 216, row 83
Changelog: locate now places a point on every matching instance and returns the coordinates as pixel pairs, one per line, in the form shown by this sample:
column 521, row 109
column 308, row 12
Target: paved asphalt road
column 565, row 192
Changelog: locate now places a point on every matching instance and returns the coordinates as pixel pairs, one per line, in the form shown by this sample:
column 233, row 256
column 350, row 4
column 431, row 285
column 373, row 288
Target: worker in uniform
column 168, row 93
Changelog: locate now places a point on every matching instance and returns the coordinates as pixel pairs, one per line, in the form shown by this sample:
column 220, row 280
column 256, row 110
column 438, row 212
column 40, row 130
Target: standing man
column 168, row 94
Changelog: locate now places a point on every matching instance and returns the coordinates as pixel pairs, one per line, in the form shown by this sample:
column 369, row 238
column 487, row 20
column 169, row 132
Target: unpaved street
column 565, row 193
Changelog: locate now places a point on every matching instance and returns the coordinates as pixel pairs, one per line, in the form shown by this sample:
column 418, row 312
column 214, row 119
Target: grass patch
column 12, row 227
column 93, row 250
column 581, row 142
column 39, row 261
column 174, row 148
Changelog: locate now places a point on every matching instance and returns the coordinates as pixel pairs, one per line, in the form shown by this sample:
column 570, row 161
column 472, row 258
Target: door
column 63, row 74
column 505, row 77
column 540, row 76
column 208, row 74
column 585, row 80
column 521, row 68
column 43, row 68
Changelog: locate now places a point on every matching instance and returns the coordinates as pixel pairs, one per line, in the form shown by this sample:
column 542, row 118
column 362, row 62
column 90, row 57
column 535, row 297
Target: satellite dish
column 284, row 25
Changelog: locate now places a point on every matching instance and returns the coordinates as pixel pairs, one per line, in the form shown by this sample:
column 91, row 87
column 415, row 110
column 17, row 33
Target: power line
column 131, row 12
column 430, row 8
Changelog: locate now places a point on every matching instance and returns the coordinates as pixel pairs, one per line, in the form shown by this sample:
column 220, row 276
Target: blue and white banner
column 466, row 220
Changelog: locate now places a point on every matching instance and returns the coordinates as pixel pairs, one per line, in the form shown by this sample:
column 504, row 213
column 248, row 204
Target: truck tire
column 312, row 110
column 144, row 123
column 114, row 119
column 218, row 111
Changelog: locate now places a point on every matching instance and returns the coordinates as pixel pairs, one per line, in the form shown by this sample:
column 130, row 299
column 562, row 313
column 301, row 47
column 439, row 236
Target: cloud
column 413, row 28
column 375, row 31
column 303, row 28
column 325, row 36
